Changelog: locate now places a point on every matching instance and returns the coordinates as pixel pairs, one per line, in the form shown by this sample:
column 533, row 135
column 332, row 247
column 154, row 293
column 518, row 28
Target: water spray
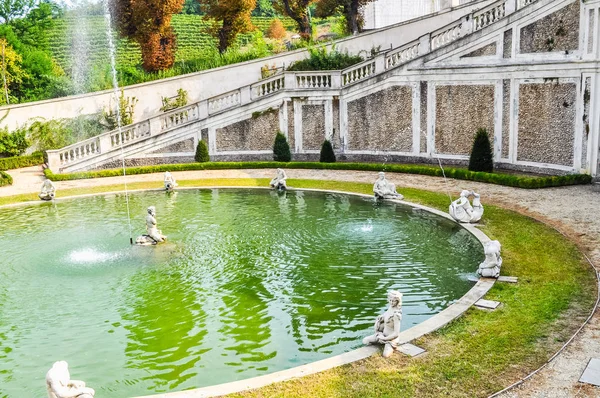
column 112, row 52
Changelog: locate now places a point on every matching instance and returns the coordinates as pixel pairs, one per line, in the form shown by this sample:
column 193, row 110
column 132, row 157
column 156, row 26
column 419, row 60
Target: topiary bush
column 281, row 149
column 327, row 154
column 202, row 152
column 481, row 155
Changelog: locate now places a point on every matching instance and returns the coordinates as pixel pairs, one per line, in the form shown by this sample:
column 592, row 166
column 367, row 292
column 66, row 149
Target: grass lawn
column 481, row 352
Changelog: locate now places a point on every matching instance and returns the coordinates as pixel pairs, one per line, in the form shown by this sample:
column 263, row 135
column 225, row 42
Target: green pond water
column 250, row 282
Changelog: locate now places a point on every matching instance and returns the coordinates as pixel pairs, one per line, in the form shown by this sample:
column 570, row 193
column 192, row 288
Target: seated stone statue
column 462, row 210
column 490, row 267
column 387, row 325
column 384, row 189
column 48, row 190
column 279, row 181
column 60, row 385
column 170, row 182
column 153, row 234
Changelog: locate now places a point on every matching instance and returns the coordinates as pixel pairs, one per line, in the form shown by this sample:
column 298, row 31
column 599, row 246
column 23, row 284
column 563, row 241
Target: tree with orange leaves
column 148, row 22
column 228, row 18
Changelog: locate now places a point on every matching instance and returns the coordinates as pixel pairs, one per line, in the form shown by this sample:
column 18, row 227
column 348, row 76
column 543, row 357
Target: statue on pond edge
column 490, row 267
column 387, row 325
column 462, row 210
column 170, row 182
column 383, row 189
column 48, row 190
column 153, row 234
column 279, row 181
column 60, row 385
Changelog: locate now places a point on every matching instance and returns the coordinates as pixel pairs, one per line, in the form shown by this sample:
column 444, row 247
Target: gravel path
column 575, row 211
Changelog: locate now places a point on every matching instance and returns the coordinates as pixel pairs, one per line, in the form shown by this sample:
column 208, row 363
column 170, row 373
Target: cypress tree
column 481, row 155
column 202, row 152
column 281, row 149
column 327, row 154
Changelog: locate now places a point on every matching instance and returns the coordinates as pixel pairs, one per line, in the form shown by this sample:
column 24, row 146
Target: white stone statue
column 384, row 189
column 60, row 385
column 170, row 182
column 387, row 325
column 279, row 181
column 462, row 210
column 48, row 190
column 490, row 267
column 153, row 234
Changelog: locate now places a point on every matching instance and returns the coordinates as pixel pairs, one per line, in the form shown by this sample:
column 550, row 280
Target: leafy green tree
column 264, row 8
column 192, row 7
column 12, row 74
column 481, row 155
column 281, row 149
column 11, row 9
column 228, row 19
column 298, row 11
column 202, row 155
column 327, row 154
column 349, row 8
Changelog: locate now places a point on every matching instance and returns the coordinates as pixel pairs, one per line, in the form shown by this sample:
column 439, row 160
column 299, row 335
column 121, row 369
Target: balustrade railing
column 523, row 3
column 401, row 55
column 488, row 16
column 268, row 86
column 313, row 80
column 358, row 72
column 224, row 101
column 75, row 152
column 179, row 116
column 446, row 35
column 128, row 134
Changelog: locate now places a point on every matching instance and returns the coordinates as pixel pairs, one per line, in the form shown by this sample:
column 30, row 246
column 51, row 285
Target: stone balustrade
column 401, row 55
column 488, row 15
column 446, row 35
column 358, row 72
column 78, row 151
column 313, row 80
column 268, row 86
column 179, row 117
column 224, row 101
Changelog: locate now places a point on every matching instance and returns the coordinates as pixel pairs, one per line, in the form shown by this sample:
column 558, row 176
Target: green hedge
column 510, row 180
column 16, row 162
column 5, row 179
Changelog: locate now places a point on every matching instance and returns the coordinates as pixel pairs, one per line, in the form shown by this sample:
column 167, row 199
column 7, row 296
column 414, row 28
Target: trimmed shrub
column 5, row 179
column 281, row 149
column 481, row 158
column 13, row 144
column 327, row 154
column 16, row 162
column 202, row 152
column 511, row 180
column 276, row 30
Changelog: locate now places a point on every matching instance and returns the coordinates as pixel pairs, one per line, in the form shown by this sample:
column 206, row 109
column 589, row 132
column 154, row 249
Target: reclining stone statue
column 462, row 210
column 170, row 182
column 48, row 190
column 490, row 267
column 384, row 189
column 387, row 325
column 279, row 181
column 60, row 385
column 153, row 234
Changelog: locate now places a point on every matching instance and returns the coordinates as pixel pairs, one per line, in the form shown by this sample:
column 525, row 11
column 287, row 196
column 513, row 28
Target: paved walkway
column 573, row 210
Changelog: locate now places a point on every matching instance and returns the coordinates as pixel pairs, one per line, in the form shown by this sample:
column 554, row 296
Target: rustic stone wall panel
column 460, row 111
column 586, row 122
column 546, row 123
column 489, row 49
column 290, row 117
column 336, row 140
column 381, row 121
column 507, row 50
column 254, row 134
column 313, row 126
column 590, row 47
column 423, row 132
column 181, row 146
column 557, row 32
column 505, row 118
